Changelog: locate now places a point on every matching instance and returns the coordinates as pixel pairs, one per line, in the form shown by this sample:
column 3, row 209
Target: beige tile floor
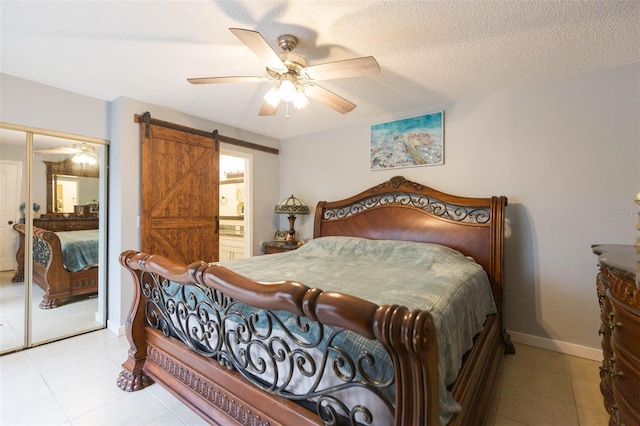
column 540, row 387
column 72, row 382
column 71, row 317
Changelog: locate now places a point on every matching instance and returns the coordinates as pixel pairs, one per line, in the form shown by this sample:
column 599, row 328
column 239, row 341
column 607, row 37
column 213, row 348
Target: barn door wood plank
column 179, row 190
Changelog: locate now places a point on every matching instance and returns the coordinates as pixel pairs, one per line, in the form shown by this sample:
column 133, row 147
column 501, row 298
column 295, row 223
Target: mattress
column 79, row 249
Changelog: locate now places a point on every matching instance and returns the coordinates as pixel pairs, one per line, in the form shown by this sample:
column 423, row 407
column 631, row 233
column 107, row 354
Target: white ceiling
column 430, row 52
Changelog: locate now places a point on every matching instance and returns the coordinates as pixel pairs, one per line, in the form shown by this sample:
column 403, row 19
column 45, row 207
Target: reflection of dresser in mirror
column 82, row 180
column 58, row 223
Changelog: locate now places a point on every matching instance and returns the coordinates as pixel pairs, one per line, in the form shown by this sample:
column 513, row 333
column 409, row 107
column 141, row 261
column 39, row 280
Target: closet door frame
column 27, row 180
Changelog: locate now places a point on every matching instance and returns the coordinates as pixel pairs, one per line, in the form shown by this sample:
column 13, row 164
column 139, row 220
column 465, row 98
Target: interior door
column 179, row 189
column 10, row 184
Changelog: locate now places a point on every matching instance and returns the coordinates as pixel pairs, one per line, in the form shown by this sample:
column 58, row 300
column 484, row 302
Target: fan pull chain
column 287, row 114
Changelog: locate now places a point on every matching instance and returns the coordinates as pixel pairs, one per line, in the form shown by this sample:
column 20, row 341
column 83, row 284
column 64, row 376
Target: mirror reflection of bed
column 64, row 299
column 65, row 257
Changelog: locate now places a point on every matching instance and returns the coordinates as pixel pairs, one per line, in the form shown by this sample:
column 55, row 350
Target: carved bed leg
column 132, row 378
column 48, row 303
column 19, row 276
column 509, row 348
column 131, row 382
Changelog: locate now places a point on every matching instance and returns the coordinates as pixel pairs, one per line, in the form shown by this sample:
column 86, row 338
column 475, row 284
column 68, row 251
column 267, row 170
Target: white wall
column 31, row 104
column 566, row 153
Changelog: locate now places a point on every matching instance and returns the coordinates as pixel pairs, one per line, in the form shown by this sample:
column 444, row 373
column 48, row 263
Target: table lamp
column 291, row 206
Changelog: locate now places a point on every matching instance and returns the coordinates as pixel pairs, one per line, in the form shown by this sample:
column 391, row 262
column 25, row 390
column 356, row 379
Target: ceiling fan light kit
column 287, row 87
column 272, row 97
column 296, row 79
column 86, row 156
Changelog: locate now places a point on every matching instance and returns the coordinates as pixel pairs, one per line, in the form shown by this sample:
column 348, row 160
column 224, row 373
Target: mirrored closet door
column 53, row 245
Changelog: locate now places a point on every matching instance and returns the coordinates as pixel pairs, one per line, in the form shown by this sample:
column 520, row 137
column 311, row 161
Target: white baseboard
column 556, row 346
column 115, row 328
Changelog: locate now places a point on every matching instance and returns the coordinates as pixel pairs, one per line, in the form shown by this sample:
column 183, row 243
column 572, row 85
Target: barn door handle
column 217, row 224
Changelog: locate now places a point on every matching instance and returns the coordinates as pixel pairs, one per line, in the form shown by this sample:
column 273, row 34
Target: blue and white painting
column 417, row 141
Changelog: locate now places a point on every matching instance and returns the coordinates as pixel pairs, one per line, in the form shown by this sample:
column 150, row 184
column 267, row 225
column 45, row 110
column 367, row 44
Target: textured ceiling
column 430, row 52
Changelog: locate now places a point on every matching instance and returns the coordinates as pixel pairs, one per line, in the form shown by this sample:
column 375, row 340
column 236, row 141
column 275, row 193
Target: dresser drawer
column 625, row 374
column 625, row 362
column 626, row 329
column 619, row 298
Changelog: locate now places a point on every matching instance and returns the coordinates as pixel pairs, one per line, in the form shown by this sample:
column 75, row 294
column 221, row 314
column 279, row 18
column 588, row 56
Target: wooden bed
column 49, row 271
column 394, row 210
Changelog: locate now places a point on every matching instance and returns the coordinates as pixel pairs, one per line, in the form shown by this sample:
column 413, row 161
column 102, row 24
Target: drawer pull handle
column 615, row 373
column 612, row 368
column 612, row 322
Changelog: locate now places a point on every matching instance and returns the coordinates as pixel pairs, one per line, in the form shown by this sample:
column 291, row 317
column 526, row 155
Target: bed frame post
column 132, row 378
column 498, row 205
column 410, row 338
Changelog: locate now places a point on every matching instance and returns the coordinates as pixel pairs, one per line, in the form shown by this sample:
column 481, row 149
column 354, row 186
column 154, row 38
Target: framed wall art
column 411, row 142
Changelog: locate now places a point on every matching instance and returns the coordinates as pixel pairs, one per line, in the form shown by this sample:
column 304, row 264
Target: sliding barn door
column 180, row 178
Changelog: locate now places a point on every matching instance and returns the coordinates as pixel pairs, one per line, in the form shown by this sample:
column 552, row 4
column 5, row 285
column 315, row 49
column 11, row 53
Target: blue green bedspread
column 79, row 249
column 452, row 287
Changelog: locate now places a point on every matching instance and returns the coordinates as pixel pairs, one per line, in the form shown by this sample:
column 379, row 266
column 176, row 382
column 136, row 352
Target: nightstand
column 271, row 247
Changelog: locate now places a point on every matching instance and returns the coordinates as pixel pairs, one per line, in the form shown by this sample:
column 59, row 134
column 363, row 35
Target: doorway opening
column 235, row 205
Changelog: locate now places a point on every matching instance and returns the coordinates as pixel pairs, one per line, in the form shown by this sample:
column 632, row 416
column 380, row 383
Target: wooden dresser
column 618, row 286
column 72, row 223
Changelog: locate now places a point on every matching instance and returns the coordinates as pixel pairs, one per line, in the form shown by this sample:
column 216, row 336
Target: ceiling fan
column 296, row 79
column 82, row 152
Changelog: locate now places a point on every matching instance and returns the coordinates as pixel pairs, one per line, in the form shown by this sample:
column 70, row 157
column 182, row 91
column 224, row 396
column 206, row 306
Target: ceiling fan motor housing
column 294, row 63
column 287, row 42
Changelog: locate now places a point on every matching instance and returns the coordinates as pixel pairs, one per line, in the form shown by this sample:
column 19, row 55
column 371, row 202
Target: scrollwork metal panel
column 282, row 353
column 430, row 205
column 41, row 251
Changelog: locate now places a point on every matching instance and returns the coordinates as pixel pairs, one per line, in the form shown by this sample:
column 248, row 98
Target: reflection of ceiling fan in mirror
column 83, row 153
column 62, row 150
column 296, row 79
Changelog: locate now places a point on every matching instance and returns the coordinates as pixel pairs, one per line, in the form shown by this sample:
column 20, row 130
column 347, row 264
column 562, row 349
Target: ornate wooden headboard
column 400, row 209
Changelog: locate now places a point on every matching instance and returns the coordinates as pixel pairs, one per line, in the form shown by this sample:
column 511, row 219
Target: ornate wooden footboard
column 170, row 357
column 192, row 349
column 49, row 272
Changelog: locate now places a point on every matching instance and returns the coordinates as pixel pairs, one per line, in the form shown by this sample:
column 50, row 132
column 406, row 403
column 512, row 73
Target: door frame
column 248, row 194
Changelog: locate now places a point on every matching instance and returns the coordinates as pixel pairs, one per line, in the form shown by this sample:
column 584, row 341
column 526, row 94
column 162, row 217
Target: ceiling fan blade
column 328, row 98
column 57, row 150
column 227, row 79
column 260, row 47
column 268, row 109
column 355, row 67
